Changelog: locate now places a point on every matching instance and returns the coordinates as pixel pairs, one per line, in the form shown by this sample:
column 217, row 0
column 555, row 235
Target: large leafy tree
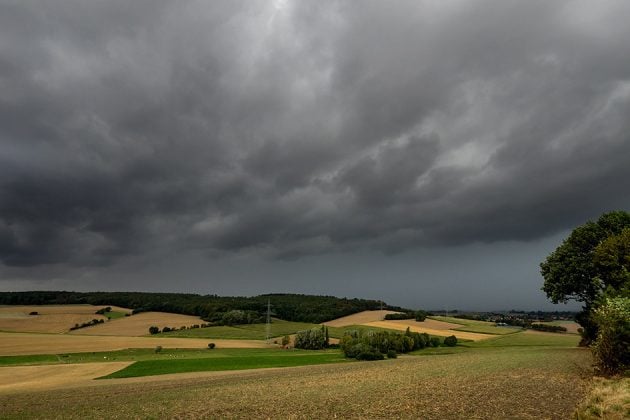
column 587, row 263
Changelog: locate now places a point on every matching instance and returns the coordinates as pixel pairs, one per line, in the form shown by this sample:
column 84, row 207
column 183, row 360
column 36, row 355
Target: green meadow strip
column 162, row 367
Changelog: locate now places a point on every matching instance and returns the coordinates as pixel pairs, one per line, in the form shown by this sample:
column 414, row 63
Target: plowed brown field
column 138, row 325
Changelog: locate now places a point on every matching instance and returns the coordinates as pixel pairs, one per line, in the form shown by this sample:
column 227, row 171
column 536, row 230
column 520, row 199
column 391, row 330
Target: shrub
column 434, row 342
column 612, row 346
column 34, row 313
column 548, row 328
column 421, row 316
column 167, row 329
column 370, row 355
column 450, row 341
column 391, row 354
column 153, row 330
column 211, row 346
column 404, row 315
column 286, row 340
column 157, row 349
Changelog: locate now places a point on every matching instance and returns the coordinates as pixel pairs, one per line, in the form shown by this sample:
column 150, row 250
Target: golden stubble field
column 138, row 325
column 49, row 318
column 359, row 318
column 12, row 344
column 495, row 384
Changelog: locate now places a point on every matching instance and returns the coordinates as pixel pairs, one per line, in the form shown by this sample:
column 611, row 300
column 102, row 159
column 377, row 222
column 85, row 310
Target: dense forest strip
column 290, row 307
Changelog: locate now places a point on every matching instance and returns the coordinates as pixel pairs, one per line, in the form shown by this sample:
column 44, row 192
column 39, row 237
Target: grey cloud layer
column 290, row 129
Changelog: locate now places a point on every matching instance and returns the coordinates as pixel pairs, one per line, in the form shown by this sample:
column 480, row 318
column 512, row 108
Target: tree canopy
column 589, row 261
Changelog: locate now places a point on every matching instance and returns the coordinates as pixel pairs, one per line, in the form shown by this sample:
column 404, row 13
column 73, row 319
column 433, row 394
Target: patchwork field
column 526, row 374
column 138, row 325
column 520, row 383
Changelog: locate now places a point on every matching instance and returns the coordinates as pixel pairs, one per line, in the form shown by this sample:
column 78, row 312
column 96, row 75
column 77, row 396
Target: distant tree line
column 548, row 328
column 87, row 324
column 212, row 308
column 417, row 315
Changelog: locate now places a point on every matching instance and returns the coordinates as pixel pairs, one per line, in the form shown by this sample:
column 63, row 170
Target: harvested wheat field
column 49, row 318
column 138, row 325
column 26, row 343
column 33, row 378
column 358, row 318
column 404, row 324
column 48, row 323
column 515, row 383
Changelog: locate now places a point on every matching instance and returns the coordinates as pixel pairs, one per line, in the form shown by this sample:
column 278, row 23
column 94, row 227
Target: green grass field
column 482, row 327
column 243, row 332
column 271, row 359
column 114, row 315
column 528, row 339
column 150, row 355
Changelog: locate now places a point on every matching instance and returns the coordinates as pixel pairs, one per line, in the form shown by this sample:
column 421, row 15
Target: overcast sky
column 429, row 153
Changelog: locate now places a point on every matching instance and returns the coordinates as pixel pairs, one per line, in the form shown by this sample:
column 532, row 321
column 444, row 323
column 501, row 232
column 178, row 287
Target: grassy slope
column 114, row 315
column 528, row 340
column 482, row 327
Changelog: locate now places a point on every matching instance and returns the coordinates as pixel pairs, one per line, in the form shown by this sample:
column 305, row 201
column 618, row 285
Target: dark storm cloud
column 287, row 129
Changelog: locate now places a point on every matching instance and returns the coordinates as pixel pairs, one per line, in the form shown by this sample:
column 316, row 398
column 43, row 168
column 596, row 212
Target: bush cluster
column 361, row 345
column 313, row 339
column 397, row 316
column 612, row 345
column 450, row 341
column 548, row 328
column 87, row 324
column 102, row 311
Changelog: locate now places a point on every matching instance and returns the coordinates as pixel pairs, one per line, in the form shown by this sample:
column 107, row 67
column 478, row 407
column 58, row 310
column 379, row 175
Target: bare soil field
column 34, row 378
column 138, row 325
column 419, row 327
column 501, row 384
column 26, row 343
column 358, row 318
